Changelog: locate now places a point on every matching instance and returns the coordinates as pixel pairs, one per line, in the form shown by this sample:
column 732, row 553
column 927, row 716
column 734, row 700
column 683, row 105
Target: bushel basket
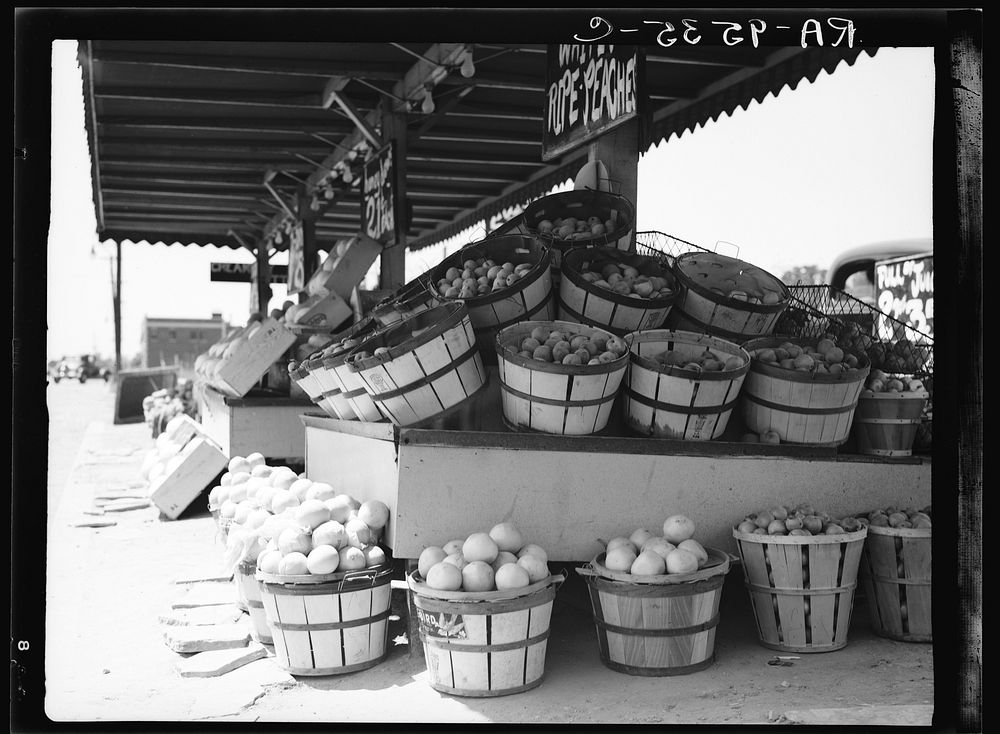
column 675, row 401
column 409, row 300
column 331, row 624
column 529, row 297
column 352, row 389
column 585, row 301
column 801, row 587
column 484, row 644
column 430, row 364
column 657, row 625
column 896, row 571
column 886, row 423
column 562, row 399
column 249, row 596
column 726, row 297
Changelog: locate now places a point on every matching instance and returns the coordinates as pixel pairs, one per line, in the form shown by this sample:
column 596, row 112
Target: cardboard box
column 236, row 375
column 348, row 269
column 201, row 461
column 323, row 309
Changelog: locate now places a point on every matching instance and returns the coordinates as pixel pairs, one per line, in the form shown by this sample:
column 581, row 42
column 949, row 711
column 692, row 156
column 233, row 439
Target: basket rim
column 538, row 270
column 801, row 539
column 900, row 532
column 687, row 337
column 574, row 276
column 420, row 588
column 453, row 313
column 719, row 564
column 867, row 394
column 689, row 282
column 628, row 218
column 506, row 353
column 314, row 579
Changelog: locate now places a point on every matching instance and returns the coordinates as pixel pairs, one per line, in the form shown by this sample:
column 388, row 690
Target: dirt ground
column 106, row 660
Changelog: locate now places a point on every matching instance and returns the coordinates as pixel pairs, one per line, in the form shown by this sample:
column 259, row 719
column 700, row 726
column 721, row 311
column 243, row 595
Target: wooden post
column 958, row 235
column 264, row 291
column 618, row 149
column 116, row 297
column 310, row 247
column 392, row 261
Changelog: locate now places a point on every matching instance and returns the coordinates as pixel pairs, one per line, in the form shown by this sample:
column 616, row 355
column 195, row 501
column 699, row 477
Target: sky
column 787, row 182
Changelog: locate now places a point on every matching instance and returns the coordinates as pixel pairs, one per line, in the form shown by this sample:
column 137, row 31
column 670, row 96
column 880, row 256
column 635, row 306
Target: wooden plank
column 213, row 663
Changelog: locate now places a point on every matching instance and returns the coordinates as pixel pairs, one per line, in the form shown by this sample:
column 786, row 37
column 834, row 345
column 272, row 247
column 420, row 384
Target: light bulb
column 348, row 176
column 468, row 68
column 328, row 194
column 314, row 204
column 427, row 106
column 278, row 238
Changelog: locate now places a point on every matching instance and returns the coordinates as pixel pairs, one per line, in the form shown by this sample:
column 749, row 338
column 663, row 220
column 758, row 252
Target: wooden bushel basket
column 896, row 571
column 669, row 401
column 530, row 297
column 422, row 376
column 484, row 644
column 246, row 579
column 802, row 407
column 563, row 399
column 581, row 203
column 699, row 308
column 657, row 625
column 331, row 624
column 801, row 587
column 886, row 423
column 582, row 301
column 351, row 387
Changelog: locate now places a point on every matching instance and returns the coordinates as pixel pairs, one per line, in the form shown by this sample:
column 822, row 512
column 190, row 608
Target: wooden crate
column 331, row 624
column 801, row 587
column 242, row 426
column 486, row 644
column 200, row 462
column 896, row 571
column 657, row 625
column 669, row 401
column 237, row 374
column 346, row 270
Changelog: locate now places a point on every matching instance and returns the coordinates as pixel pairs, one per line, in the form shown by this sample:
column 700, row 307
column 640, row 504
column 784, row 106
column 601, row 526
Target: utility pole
column 116, row 299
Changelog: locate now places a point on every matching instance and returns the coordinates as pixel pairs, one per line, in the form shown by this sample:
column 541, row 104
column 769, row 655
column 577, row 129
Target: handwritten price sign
column 296, row 260
column 380, row 196
column 589, row 90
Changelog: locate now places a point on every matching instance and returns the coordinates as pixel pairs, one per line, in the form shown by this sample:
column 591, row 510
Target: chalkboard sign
column 904, row 289
column 136, row 385
column 589, row 89
column 379, row 219
column 296, row 260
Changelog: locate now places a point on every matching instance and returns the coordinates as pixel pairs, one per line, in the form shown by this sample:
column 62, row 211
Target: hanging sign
column 904, row 289
column 589, row 89
column 379, row 201
column 296, row 260
column 244, row 273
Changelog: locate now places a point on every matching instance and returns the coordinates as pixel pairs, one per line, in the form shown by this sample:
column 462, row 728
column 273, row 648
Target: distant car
column 80, row 368
column 853, row 270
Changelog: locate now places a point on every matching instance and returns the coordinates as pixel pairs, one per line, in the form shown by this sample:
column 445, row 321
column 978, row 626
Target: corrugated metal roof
column 182, row 134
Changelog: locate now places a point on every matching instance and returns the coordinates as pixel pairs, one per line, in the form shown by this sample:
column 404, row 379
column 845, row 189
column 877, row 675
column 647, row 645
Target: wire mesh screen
column 665, row 246
column 891, row 345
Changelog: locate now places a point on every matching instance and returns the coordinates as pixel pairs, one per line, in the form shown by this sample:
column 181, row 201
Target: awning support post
column 618, row 149
column 392, row 261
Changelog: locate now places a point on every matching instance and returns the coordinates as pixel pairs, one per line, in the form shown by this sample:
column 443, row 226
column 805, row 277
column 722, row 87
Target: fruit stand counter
column 573, row 490
column 241, row 426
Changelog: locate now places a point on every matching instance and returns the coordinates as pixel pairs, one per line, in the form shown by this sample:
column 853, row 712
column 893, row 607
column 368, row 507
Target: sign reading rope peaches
column 589, row 89
column 379, row 219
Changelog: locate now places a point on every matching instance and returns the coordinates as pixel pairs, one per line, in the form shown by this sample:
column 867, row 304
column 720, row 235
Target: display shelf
column 574, row 491
column 268, row 424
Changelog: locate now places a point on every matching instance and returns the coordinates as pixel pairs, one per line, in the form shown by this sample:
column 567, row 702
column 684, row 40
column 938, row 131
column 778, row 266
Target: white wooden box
column 237, row 375
column 242, row 426
column 323, row 309
column 348, row 269
column 201, row 461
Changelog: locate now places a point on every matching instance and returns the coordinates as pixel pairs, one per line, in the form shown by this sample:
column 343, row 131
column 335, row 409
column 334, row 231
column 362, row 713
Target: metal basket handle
column 730, row 244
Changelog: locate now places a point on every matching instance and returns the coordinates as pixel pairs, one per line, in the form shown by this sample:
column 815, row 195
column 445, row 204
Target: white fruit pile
column 644, row 554
column 166, row 456
column 627, row 280
column 573, row 228
column 879, row 381
column 161, row 406
column 293, row 525
column 495, row 561
column 480, row 277
column 562, row 346
column 823, row 357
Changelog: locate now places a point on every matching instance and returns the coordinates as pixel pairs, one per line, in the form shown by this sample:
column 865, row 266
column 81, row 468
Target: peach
column 444, row 577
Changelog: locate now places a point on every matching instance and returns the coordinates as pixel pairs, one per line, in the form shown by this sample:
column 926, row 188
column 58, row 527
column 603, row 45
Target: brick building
column 179, row 341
